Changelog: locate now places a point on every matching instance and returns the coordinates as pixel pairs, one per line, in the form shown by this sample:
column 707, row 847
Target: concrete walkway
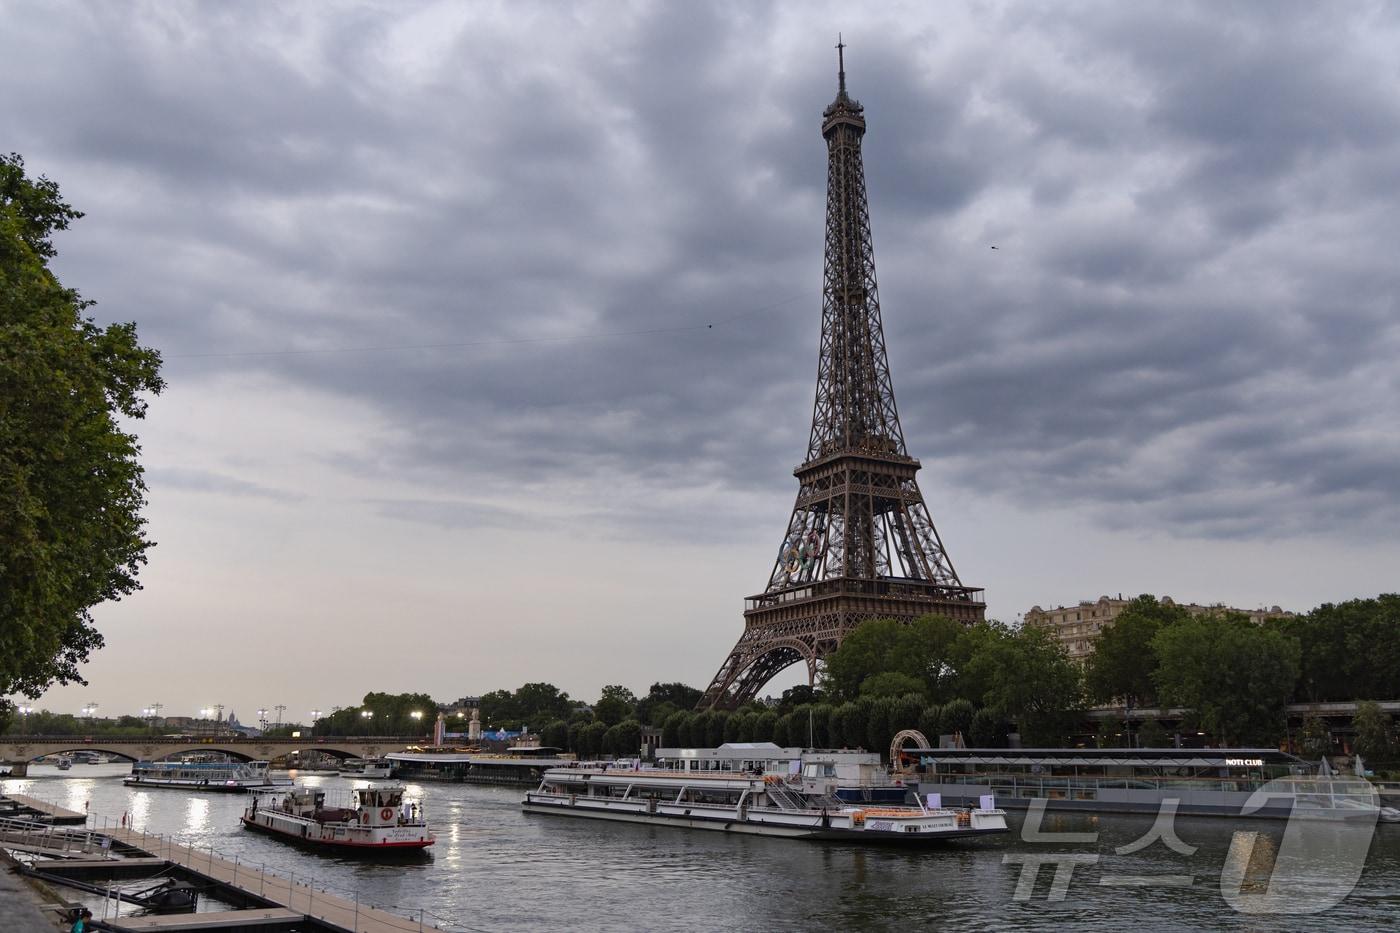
column 22, row 910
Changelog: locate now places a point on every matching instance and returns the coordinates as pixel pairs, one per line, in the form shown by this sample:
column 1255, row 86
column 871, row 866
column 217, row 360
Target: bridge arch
column 124, row 754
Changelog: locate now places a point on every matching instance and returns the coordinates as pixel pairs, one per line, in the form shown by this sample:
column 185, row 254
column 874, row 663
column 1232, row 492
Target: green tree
column 987, row 730
column 629, row 738
column 1026, row 677
column 541, row 702
column 796, row 696
column 765, row 726
column 1315, row 739
column 677, row 696
column 1374, row 733
column 616, row 704
column 891, row 684
column 1234, row 676
column 1152, row 735
column 931, row 723
column 920, row 649
column 1348, row 651
column 691, row 733
column 1123, row 661
column 1105, row 736
column 556, row 734
column 714, row 729
column 592, row 736
column 906, row 712
column 879, row 730
column 957, row 717
column 498, row 706
column 611, row 740
column 671, row 730
column 821, row 726
column 782, row 730
column 71, row 486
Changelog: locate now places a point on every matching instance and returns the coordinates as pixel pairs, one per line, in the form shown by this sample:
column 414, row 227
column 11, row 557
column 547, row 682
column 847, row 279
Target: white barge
column 741, row 791
column 366, row 768
column 380, row 821
column 1232, row 782
column 229, row 777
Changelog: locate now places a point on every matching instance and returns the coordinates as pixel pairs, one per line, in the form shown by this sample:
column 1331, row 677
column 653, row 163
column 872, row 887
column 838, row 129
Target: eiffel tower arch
column 861, row 543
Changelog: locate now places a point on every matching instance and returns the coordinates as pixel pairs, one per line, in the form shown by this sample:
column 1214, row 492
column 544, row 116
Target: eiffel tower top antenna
column 841, row 62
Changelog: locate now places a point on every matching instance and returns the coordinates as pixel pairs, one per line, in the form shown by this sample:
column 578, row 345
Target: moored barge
column 380, row 820
column 229, row 777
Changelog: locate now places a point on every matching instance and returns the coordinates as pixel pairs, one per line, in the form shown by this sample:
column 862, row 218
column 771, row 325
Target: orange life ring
column 386, row 814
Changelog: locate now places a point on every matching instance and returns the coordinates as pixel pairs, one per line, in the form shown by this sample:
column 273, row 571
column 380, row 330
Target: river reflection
column 495, row 868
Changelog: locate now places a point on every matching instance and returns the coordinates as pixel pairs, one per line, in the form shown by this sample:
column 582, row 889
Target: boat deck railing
column 1014, row 785
column 668, row 775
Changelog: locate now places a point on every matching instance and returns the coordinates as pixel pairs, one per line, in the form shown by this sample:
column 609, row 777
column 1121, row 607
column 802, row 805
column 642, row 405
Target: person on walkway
column 80, row 923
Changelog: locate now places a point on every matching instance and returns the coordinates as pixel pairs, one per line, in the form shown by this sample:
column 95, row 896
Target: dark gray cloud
column 1188, row 323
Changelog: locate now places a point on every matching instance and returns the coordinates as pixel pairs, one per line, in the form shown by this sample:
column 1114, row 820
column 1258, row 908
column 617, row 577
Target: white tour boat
column 379, row 821
column 234, row 777
column 744, row 791
column 366, row 768
column 1231, row 782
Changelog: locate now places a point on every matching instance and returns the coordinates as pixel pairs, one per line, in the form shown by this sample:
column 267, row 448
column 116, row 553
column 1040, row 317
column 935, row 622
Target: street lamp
column 281, row 708
column 262, row 719
column 366, row 715
column 315, row 718
column 90, row 710
column 24, row 711
column 417, row 717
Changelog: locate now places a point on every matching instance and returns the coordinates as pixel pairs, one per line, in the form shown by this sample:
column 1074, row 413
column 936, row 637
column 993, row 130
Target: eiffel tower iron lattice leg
column 860, row 543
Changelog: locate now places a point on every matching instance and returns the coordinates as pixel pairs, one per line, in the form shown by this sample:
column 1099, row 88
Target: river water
column 495, row 868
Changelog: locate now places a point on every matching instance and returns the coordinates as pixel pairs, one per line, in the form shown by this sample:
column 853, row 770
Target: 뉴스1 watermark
column 1328, row 830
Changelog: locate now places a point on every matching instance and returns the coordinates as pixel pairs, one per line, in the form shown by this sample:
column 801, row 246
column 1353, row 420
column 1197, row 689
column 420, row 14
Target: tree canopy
column 616, row 704
column 1123, row 662
column 664, row 699
column 534, row 704
column 71, row 486
column 920, row 650
column 1234, row 677
column 1349, row 651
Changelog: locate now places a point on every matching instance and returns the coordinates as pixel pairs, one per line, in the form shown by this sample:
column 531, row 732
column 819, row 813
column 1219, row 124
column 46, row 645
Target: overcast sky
column 491, row 329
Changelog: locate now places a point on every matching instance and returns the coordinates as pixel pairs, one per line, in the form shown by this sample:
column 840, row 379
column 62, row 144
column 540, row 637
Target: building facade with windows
column 1076, row 627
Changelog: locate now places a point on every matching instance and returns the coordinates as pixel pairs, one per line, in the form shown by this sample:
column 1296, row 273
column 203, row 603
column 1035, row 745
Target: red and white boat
column 380, row 820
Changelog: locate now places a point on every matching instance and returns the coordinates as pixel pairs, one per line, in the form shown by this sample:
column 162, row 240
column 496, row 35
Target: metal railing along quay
column 302, row 894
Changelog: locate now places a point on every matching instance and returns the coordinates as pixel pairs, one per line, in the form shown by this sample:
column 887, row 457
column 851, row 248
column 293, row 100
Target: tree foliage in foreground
column 71, row 486
column 1349, row 650
column 1124, row 661
column 1233, row 676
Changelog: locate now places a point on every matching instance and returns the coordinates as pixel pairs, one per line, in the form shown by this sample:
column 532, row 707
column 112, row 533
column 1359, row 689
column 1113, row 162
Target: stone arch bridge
column 17, row 751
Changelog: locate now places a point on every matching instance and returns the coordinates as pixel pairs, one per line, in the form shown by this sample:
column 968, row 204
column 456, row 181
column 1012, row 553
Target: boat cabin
column 367, row 798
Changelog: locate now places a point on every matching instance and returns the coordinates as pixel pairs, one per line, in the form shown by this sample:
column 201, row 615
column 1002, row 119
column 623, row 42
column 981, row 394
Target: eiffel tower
column 860, row 544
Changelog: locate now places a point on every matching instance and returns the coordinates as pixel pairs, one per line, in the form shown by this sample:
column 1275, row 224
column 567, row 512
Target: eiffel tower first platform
column 860, row 544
